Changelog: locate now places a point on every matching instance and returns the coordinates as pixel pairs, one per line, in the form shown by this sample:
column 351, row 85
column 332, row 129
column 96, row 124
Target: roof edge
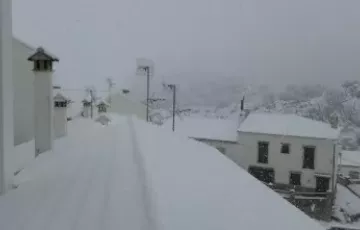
column 273, row 134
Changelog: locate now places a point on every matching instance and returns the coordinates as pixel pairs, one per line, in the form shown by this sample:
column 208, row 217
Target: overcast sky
column 262, row 41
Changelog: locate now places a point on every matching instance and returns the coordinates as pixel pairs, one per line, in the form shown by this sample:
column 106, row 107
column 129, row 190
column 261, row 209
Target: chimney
column 243, row 112
column 60, row 117
column 242, row 103
column 43, row 99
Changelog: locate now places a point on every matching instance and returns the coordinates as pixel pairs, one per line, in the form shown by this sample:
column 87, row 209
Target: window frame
column 314, row 157
column 265, row 156
column 290, row 178
column 288, row 148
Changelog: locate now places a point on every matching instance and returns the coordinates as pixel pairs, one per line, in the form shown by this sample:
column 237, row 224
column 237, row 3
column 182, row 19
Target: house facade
column 289, row 150
column 295, row 156
column 306, row 163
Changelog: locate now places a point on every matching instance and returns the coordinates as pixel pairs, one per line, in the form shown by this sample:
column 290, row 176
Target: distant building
column 295, row 156
column 292, row 153
column 349, row 164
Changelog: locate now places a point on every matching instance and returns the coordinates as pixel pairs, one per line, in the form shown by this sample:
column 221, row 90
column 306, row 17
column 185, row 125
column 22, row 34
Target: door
column 322, row 184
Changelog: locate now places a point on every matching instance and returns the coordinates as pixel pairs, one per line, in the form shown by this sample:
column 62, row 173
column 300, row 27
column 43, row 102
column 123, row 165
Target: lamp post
column 173, row 88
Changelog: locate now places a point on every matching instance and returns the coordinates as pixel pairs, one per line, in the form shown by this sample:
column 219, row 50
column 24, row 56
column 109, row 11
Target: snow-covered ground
column 132, row 175
column 356, row 188
column 347, row 201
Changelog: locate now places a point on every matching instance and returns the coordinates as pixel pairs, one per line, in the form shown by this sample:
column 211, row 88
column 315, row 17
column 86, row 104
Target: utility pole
column 147, row 69
column 91, row 103
column 173, row 88
column 110, row 86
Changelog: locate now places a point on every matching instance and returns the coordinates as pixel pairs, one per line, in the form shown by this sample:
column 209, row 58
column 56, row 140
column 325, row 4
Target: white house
column 218, row 133
column 122, row 103
column 349, row 164
column 289, row 150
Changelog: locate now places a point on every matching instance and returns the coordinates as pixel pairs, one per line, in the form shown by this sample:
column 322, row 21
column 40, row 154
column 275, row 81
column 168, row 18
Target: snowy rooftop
column 350, row 158
column 145, row 178
column 287, row 124
column 204, row 128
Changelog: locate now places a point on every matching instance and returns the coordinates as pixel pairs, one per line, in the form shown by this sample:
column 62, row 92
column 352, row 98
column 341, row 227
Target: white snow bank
column 347, row 200
column 204, row 128
column 195, row 187
column 287, row 124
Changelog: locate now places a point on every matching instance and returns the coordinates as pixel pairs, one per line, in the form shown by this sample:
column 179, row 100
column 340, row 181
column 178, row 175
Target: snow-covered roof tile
column 133, row 175
column 287, row 124
column 350, row 158
column 204, row 128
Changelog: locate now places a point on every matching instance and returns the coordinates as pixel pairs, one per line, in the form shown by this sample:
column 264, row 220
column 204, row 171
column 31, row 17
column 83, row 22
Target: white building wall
column 283, row 164
column 87, row 111
column 60, row 122
column 121, row 105
column 23, row 79
column 44, row 134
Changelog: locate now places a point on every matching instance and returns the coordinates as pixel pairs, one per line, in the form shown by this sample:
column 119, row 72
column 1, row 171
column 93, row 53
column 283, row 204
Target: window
column 354, row 175
column 322, row 184
column 263, row 152
column 295, row 178
column 285, row 148
column 309, row 157
column 266, row 175
column 221, row 149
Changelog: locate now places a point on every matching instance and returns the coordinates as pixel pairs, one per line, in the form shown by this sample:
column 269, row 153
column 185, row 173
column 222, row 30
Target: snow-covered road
column 101, row 188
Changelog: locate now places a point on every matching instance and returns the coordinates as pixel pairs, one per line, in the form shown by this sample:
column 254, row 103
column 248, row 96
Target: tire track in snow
column 146, row 190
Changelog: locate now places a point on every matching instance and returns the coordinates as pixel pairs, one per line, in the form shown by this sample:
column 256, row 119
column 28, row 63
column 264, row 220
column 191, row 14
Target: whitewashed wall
column 283, row 164
column 23, row 154
column 122, row 105
column 60, row 122
column 23, row 79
